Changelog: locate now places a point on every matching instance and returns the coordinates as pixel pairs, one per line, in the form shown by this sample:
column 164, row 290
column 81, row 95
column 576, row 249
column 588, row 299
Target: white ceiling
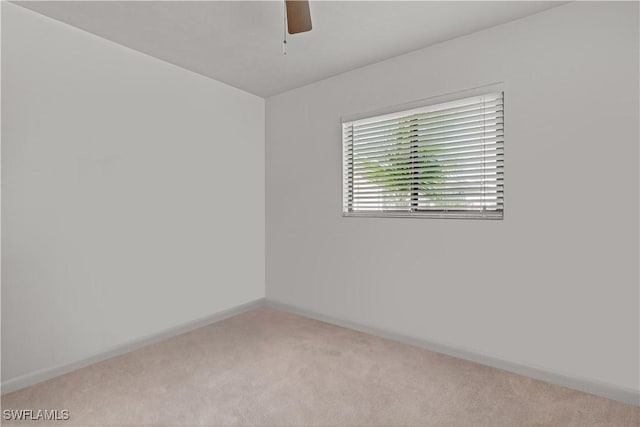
column 240, row 43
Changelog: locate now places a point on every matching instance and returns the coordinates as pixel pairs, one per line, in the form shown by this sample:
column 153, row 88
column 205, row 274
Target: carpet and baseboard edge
column 608, row 391
column 32, row 378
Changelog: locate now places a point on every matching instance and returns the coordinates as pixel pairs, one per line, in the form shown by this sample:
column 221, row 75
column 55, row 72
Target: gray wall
column 124, row 212
column 555, row 284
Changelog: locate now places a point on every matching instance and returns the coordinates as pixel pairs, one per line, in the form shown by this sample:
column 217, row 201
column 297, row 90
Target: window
column 443, row 160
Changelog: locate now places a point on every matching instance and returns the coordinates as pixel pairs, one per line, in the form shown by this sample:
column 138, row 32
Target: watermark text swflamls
column 35, row 414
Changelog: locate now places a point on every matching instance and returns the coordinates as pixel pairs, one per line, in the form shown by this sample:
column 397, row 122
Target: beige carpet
column 270, row 368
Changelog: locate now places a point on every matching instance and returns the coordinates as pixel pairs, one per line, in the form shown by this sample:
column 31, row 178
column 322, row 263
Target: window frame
column 406, row 109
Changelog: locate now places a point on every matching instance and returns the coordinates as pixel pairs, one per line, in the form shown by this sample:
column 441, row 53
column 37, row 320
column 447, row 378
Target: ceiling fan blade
column 298, row 16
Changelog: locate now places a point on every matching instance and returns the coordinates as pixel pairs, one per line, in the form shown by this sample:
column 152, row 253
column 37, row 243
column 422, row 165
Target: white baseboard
column 608, row 391
column 46, row 374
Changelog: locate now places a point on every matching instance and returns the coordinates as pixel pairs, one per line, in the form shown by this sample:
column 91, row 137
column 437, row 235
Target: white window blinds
column 442, row 160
